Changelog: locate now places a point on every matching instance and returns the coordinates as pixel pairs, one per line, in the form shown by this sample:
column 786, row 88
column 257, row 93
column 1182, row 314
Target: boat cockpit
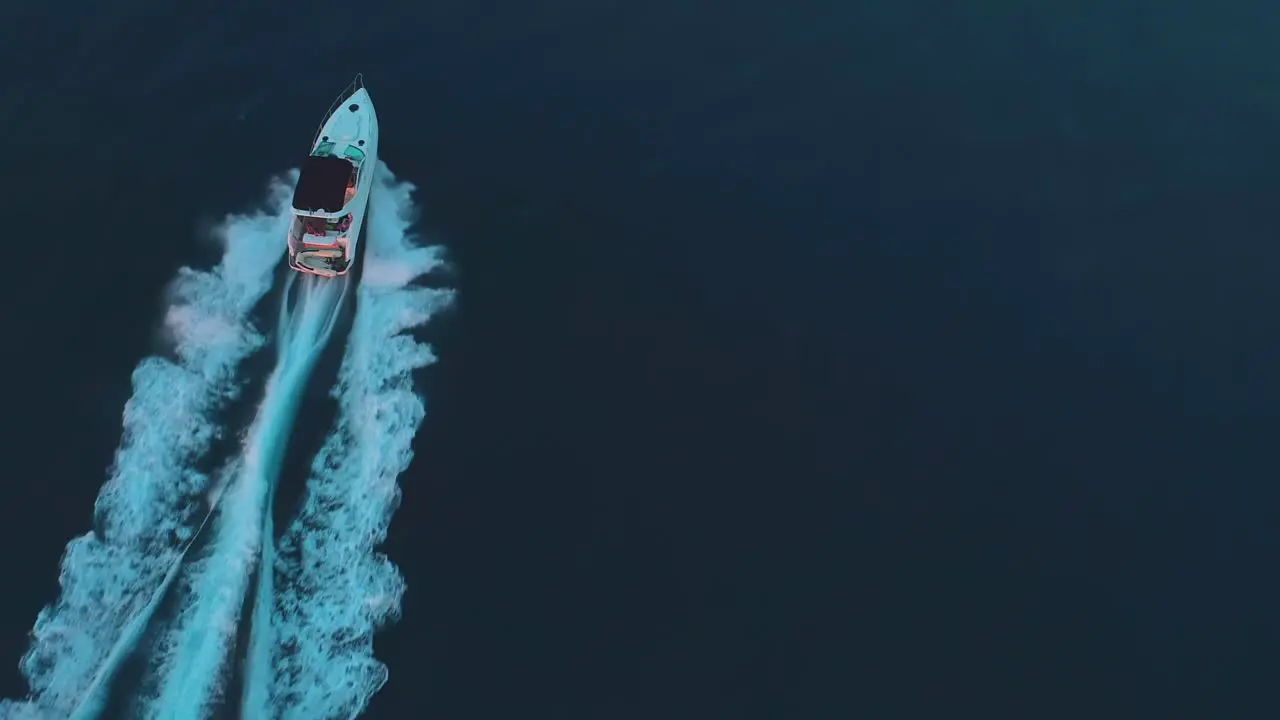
column 319, row 243
column 323, row 226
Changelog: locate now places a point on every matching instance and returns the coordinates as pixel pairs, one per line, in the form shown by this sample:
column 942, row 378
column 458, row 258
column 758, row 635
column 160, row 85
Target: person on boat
column 314, row 226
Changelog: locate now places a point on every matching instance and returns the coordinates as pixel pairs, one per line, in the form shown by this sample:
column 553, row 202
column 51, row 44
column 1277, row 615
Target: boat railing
column 350, row 90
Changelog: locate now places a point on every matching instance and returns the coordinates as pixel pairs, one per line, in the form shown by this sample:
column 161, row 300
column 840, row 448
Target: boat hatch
column 355, row 153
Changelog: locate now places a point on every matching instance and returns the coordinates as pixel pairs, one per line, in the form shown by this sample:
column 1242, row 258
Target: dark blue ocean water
column 819, row 360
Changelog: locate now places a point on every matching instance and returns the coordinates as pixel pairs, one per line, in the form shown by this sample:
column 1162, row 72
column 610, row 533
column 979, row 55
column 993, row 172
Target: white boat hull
column 329, row 213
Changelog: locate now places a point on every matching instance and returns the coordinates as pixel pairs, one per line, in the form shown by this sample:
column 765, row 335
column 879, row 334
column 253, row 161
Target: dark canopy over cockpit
column 322, row 186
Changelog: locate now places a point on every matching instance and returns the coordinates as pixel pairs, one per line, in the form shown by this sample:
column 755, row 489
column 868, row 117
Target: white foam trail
column 335, row 590
column 191, row 658
column 149, row 508
column 258, row 655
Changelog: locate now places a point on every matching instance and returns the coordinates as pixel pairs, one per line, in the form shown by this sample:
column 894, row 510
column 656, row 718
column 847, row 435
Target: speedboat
column 332, row 197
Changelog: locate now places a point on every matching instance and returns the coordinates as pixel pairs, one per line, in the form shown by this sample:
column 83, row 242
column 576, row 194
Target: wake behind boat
column 332, row 196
